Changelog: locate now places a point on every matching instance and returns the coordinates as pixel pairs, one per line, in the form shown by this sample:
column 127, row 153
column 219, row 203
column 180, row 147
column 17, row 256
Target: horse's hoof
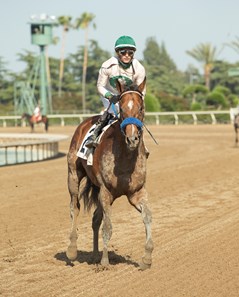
column 146, row 262
column 71, row 253
column 104, row 262
column 144, row 266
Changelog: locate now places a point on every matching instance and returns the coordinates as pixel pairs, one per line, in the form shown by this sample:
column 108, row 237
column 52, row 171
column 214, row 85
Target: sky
column 180, row 24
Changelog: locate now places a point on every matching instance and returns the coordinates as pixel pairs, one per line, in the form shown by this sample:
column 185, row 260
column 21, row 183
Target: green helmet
column 125, row 41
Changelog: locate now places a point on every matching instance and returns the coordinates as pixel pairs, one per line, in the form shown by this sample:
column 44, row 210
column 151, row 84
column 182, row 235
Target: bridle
column 128, row 92
column 131, row 120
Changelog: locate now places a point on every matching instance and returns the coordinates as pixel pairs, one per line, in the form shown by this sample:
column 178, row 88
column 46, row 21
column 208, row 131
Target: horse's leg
column 73, row 186
column 46, row 125
column 96, row 222
column 140, row 202
column 106, row 201
column 236, row 140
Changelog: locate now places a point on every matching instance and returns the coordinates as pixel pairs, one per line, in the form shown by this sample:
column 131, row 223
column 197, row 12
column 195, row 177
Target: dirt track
column 193, row 189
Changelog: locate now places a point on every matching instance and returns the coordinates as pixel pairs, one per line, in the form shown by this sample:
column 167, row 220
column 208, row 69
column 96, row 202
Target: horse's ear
column 119, row 86
column 142, row 85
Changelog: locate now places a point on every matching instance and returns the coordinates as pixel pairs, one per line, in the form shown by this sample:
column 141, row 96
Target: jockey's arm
column 140, row 76
column 103, row 83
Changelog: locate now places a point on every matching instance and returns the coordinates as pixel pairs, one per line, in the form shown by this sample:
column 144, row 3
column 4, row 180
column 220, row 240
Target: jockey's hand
column 108, row 95
column 114, row 99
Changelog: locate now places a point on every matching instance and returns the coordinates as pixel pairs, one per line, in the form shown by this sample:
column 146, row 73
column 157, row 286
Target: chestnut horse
column 119, row 168
column 32, row 122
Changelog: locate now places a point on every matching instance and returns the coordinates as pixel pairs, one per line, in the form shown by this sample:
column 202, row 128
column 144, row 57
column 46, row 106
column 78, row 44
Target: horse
column 236, row 127
column 119, row 168
column 31, row 121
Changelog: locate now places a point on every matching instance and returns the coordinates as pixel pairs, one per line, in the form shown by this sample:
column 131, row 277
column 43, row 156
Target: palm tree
column 206, row 54
column 84, row 22
column 234, row 44
column 65, row 22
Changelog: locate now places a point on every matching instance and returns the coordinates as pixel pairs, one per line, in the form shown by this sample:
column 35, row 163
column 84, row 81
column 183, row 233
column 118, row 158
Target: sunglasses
column 123, row 52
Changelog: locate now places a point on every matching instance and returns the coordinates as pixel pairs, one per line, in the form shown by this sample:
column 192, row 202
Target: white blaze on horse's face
column 133, row 130
column 130, row 104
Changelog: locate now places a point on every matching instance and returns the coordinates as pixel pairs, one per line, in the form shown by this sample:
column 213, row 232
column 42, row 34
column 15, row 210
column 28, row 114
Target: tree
column 161, row 71
column 206, row 54
column 6, row 84
column 65, row 22
column 193, row 92
column 234, row 45
column 84, row 22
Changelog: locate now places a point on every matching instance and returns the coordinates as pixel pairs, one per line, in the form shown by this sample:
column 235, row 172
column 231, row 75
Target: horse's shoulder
column 112, row 129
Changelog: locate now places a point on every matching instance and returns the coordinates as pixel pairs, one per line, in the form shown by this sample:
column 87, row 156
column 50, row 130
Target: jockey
column 37, row 113
column 123, row 66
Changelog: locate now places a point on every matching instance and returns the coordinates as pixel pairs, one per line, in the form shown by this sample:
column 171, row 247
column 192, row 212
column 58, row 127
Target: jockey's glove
column 114, row 99
column 108, row 95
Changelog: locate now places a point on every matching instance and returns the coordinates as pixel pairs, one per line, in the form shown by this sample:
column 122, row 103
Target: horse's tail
column 90, row 194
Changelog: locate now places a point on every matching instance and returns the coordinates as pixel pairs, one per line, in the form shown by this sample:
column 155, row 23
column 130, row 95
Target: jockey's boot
column 100, row 124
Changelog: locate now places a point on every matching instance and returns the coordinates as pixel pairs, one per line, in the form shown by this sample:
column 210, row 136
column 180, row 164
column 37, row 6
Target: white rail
column 177, row 115
column 23, row 148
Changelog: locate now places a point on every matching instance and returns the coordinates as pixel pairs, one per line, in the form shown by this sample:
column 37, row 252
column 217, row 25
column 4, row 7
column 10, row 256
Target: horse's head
column 131, row 105
column 25, row 116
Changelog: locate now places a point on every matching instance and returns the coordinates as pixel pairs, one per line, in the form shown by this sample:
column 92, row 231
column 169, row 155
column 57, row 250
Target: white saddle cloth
column 85, row 152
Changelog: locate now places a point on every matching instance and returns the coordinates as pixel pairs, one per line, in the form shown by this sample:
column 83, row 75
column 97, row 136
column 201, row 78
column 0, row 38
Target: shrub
column 151, row 103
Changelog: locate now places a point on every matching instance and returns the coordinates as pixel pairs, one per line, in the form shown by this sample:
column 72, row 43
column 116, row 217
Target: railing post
column 214, row 120
column 157, row 119
column 195, row 119
column 62, row 122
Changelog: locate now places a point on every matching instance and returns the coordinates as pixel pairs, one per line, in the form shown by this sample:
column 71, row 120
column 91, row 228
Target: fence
column 191, row 117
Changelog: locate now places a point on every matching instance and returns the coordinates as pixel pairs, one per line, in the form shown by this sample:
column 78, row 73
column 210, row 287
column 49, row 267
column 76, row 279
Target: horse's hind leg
column 106, row 201
column 73, row 186
column 46, row 126
column 139, row 201
column 96, row 222
column 236, row 137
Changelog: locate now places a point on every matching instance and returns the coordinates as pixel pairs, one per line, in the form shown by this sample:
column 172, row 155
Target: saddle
column 87, row 153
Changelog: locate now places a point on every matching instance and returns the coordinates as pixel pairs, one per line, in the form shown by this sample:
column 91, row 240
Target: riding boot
column 101, row 123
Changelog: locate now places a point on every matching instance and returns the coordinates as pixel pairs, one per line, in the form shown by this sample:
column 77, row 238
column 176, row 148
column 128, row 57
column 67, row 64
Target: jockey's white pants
column 106, row 104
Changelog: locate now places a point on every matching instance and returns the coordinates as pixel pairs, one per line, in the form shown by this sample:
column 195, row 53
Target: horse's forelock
column 131, row 88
